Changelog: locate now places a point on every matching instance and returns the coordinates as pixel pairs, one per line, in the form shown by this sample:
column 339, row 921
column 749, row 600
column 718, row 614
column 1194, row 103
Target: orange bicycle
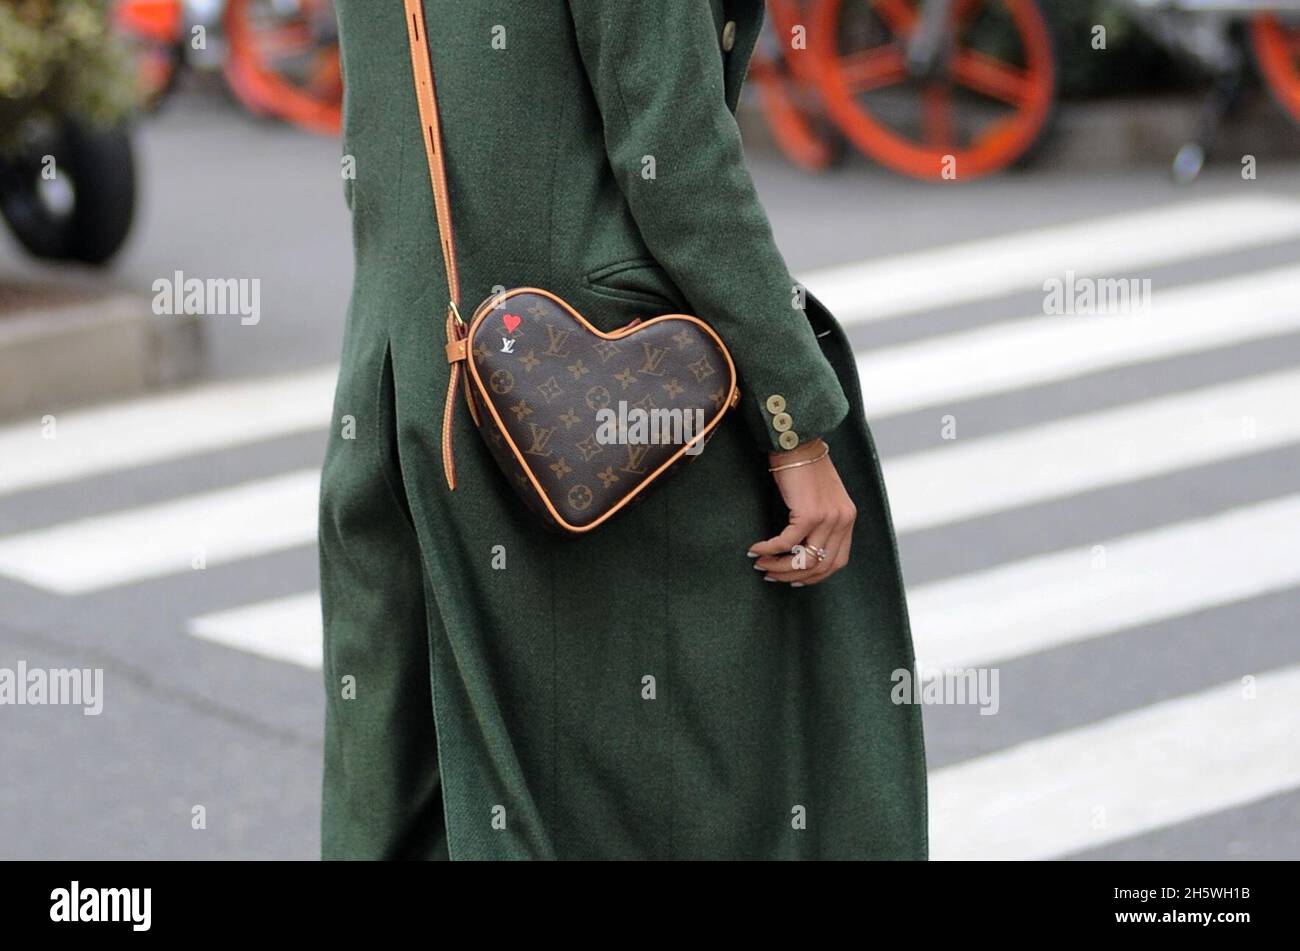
column 963, row 88
column 281, row 57
column 928, row 88
column 1219, row 36
column 787, row 90
column 283, row 60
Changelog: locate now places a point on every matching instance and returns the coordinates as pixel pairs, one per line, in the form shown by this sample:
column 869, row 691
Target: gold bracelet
column 807, row 462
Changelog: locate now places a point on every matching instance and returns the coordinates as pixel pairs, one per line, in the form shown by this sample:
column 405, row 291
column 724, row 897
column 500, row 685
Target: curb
column 60, row 348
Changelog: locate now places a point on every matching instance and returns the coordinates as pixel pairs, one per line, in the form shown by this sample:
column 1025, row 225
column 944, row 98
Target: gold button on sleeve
column 782, row 422
column 788, row 440
column 728, row 36
column 776, row 404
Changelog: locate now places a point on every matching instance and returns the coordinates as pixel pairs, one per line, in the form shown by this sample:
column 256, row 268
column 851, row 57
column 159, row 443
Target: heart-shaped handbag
column 582, row 422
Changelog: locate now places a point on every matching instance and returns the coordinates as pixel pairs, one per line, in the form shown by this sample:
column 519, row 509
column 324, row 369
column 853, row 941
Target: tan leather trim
column 495, row 301
column 427, row 98
column 456, row 351
column 470, row 400
column 449, row 413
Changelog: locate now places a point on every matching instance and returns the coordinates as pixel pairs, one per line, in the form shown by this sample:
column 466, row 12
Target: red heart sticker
column 512, row 322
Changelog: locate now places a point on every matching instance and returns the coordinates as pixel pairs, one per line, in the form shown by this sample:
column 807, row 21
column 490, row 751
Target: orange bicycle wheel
column 788, row 94
column 1277, row 51
column 980, row 106
column 286, row 64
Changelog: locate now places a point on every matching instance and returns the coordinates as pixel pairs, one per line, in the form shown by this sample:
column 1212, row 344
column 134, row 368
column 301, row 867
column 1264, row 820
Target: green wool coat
column 497, row 691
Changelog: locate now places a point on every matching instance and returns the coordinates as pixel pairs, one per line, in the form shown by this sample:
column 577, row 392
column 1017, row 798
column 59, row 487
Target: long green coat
column 496, row 691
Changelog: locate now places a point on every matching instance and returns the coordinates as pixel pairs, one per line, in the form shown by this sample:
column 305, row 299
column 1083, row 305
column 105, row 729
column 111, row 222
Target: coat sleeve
column 656, row 69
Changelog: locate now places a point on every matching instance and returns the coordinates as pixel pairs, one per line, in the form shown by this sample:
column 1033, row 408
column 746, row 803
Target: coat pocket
column 638, row 281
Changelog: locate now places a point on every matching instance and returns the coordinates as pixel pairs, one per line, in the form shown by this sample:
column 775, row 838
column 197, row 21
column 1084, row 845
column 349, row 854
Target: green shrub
column 59, row 58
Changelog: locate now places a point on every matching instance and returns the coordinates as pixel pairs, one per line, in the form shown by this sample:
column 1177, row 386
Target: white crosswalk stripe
column 209, row 529
column 1015, row 354
column 159, row 428
column 1134, row 773
column 1068, row 456
column 1070, row 596
column 284, row 629
column 888, row 287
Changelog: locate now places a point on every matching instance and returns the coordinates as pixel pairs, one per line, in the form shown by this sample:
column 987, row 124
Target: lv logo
column 541, row 439
column 507, row 345
column 635, row 464
column 557, row 338
column 654, row 358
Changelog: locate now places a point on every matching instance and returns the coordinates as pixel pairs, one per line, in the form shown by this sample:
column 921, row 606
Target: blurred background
column 1062, row 236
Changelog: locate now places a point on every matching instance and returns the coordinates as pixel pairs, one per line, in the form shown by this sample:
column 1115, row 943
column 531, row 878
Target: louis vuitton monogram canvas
column 582, row 422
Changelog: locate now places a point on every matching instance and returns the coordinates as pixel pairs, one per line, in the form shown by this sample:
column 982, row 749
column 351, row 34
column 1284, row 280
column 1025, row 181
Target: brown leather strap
column 431, row 132
column 427, row 96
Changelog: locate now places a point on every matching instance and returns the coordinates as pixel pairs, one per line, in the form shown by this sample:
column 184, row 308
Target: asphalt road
column 1114, row 529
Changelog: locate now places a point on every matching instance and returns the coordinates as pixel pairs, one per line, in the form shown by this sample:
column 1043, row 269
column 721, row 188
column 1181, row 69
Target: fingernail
column 752, row 554
column 796, row 584
column 759, row 568
column 768, row 578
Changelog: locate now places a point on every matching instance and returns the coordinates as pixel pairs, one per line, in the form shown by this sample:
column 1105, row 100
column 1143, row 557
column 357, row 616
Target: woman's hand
column 821, row 520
